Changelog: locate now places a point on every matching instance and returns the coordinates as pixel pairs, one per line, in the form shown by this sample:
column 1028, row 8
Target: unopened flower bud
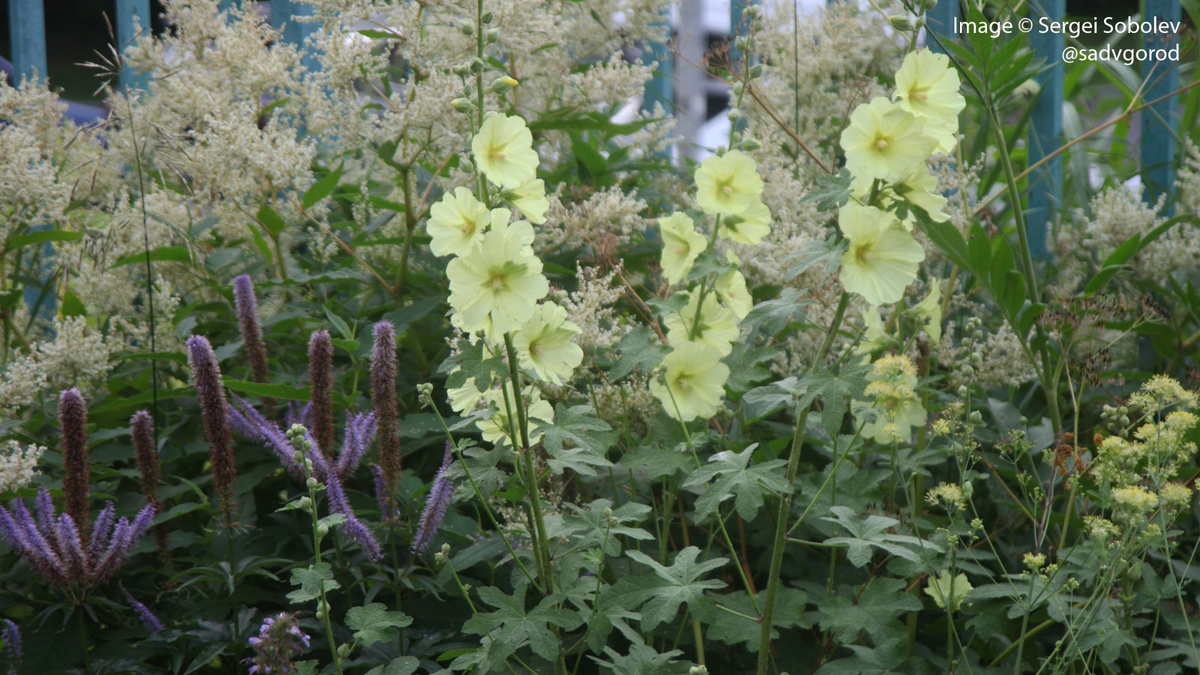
column 968, row 489
column 492, row 36
column 734, row 114
column 487, row 17
column 900, row 23
column 502, row 85
column 750, row 12
column 311, row 483
column 322, row 530
column 462, row 105
column 738, row 88
column 742, row 43
column 467, row 27
column 750, row 144
column 756, row 70
column 425, row 394
column 343, row 651
column 460, row 70
column 476, row 65
column 306, row 503
column 701, row 670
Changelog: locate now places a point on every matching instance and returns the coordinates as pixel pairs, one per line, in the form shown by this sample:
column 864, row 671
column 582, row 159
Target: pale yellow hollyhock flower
column 504, row 152
column 727, row 185
column 495, row 428
column 498, row 280
column 749, row 226
column 882, row 259
column 919, row 188
column 718, row 328
column 544, row 344
column 875, row 337
column 884, row 141
column 931, row 310
column 943, row 588
column 694, row 382
column 731, row 288
column 530, row 199
column 457, row 223
column 927, row 87
column 464, row 399
column 681, row 245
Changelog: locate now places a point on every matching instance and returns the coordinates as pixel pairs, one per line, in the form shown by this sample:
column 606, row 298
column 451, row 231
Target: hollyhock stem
column 785, row 502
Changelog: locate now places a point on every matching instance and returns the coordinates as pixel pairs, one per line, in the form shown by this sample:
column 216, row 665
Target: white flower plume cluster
column 18, row 465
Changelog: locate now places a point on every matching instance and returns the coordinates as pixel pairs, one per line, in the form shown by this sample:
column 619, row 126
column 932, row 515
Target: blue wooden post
column 1045, row 129
column 940, row 20
column 661, row 87
column 1160, row 122
column 27, row 29
column 127, row 11
column 736, row 8
column 283, row 17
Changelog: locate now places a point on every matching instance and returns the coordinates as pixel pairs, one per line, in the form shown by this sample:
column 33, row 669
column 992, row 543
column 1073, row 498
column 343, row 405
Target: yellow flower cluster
column 948, row 496
column 886, row 145
column 894, row 407
column 497, row 289
column 703, row 331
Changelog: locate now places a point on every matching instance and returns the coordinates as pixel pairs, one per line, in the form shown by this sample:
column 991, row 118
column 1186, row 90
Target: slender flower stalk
column 72, row 420
column 247, row 311
column 320, row 372
column 215, row 412
column 436, row 504
column 383, row 399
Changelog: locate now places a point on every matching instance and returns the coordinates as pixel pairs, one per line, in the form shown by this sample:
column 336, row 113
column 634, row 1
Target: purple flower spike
column 278, row 643
column 359, row 432
column 436, row 504
column 320, row 372
column 11, row 635
column 150, row 621
column 353, row 527
column 54, row 547
column 387, row 504
column 72, row 419
column 214, row 411
column 383, row 399
column 247, row 310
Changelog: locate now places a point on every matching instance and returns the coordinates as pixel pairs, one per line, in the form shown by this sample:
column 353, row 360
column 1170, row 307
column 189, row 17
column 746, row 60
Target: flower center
column 536, row 348
column 682, row 250
column 497, row 282
column 881, row 144
column 727, row 190
column 683, row 383
column 919, row 95
column 864, row 254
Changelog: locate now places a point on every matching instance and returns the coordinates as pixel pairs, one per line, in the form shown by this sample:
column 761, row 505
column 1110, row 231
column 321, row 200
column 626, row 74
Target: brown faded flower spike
column 320, row 371
column 383, row 399
column 72, row 419
column 214, row 411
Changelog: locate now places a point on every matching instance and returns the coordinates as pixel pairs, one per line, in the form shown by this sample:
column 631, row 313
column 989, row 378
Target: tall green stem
column 785, row 503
